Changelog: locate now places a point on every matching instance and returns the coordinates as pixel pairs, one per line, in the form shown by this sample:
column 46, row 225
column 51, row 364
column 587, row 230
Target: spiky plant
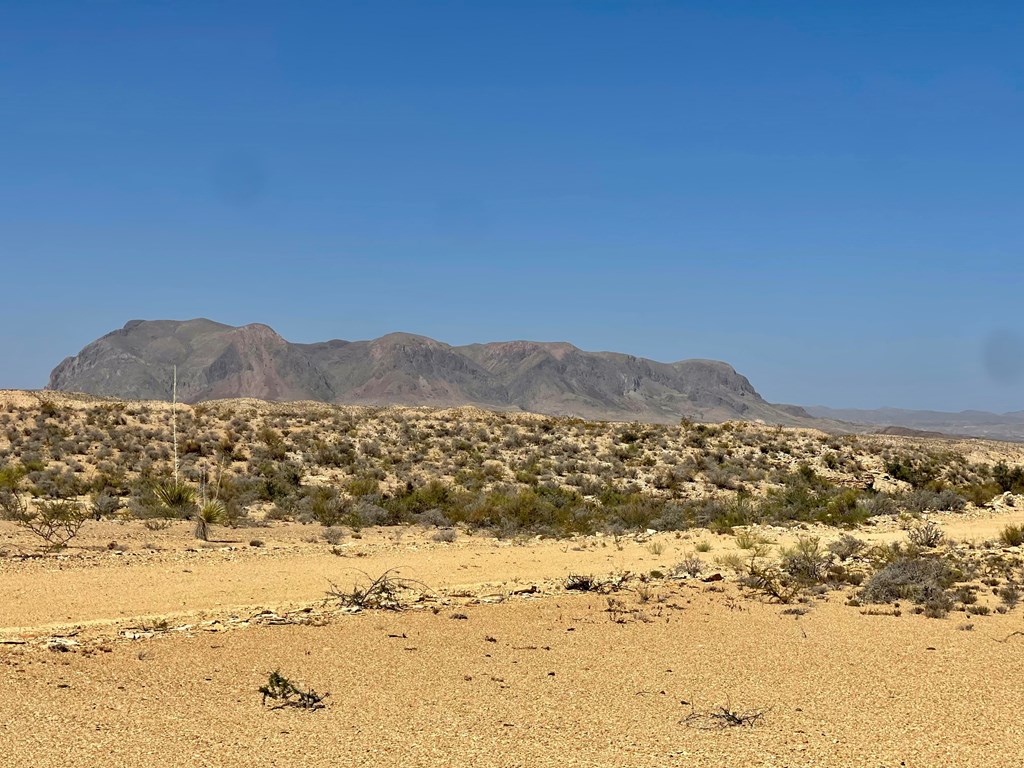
column 176, row 497
column 179, row 499
column 209, row 513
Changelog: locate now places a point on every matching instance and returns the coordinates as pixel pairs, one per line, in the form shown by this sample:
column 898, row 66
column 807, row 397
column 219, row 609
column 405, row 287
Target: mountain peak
column 219, row 361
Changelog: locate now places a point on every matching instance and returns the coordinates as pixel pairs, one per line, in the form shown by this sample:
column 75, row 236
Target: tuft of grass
column 1012, row 535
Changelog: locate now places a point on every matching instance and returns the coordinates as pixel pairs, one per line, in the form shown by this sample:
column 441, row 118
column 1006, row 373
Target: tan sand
column 547, row 680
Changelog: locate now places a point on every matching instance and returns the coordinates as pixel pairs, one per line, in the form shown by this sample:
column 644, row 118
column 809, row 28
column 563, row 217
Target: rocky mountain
column 220, row 361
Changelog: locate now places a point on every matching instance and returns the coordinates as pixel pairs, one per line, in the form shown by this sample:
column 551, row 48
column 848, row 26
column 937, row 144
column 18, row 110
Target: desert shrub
column 333, row 535
column 285, row 693
column 11, row 476
column 806, row 496
column 879, row 504
column 323, row 504
column 1008, row 478
column 1009, row 595
column 276, row 481
column 979, row 493
column 769, row 579
column 842, row 508
column 923, row 500
column 847, row 547
column 541, row 509
column 922, row 580
column 634, row 511
column 104, row 505
column 918, row 471
column 363, row 486
column 364, row 514
column 55, row 521
column 434, row 518
column 689, row 566
column 1012, row 535
column 750, row 539
column 720, row 515
column 415, row 500
column 807, row 560
column 446, row 535
column 672, row 517
column 925, row 535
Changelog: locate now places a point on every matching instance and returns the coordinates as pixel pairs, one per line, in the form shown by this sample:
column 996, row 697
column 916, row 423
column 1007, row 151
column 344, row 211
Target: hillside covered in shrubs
column 500, row 472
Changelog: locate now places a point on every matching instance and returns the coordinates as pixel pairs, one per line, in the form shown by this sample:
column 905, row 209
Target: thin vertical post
column 174, row 421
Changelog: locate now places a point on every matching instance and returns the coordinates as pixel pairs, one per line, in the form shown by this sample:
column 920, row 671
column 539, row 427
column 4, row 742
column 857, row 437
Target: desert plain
column 619, row 635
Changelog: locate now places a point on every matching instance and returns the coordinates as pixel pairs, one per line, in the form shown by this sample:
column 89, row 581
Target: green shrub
column 55, row 521
column 1012, row 535
column 1008, row 478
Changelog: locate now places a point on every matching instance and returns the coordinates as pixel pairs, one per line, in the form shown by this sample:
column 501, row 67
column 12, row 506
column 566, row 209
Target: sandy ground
column 546, row 679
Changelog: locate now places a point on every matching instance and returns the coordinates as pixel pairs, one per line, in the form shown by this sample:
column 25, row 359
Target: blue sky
column 828, row 195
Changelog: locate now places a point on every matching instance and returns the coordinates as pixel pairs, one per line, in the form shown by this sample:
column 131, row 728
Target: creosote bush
column 55, row 521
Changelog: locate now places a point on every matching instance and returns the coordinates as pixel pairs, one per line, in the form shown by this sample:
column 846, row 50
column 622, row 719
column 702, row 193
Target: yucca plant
column 177, row 498
column 209, row 513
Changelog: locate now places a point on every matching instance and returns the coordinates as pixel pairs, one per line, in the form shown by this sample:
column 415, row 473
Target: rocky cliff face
column 220, row 361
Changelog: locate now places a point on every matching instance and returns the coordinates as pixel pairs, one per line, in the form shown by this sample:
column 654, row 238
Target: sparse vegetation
column 927, row 535
column 55, row 521
column 1012, row 535
column 722, row 717
column 385, row 592
column 920, row 579
column 282, row 692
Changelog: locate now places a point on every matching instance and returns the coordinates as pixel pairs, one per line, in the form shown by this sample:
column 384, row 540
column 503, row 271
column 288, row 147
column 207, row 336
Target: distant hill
column 221, row 361
column 995, row 426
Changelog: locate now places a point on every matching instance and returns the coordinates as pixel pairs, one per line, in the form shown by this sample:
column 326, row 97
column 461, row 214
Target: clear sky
column 828, row 195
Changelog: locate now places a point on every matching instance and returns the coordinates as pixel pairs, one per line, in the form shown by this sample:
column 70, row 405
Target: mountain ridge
column 966, row 423
column 216, row 361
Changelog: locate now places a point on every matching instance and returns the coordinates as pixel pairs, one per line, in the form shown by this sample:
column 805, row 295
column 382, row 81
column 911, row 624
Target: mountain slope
column 219, row 361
